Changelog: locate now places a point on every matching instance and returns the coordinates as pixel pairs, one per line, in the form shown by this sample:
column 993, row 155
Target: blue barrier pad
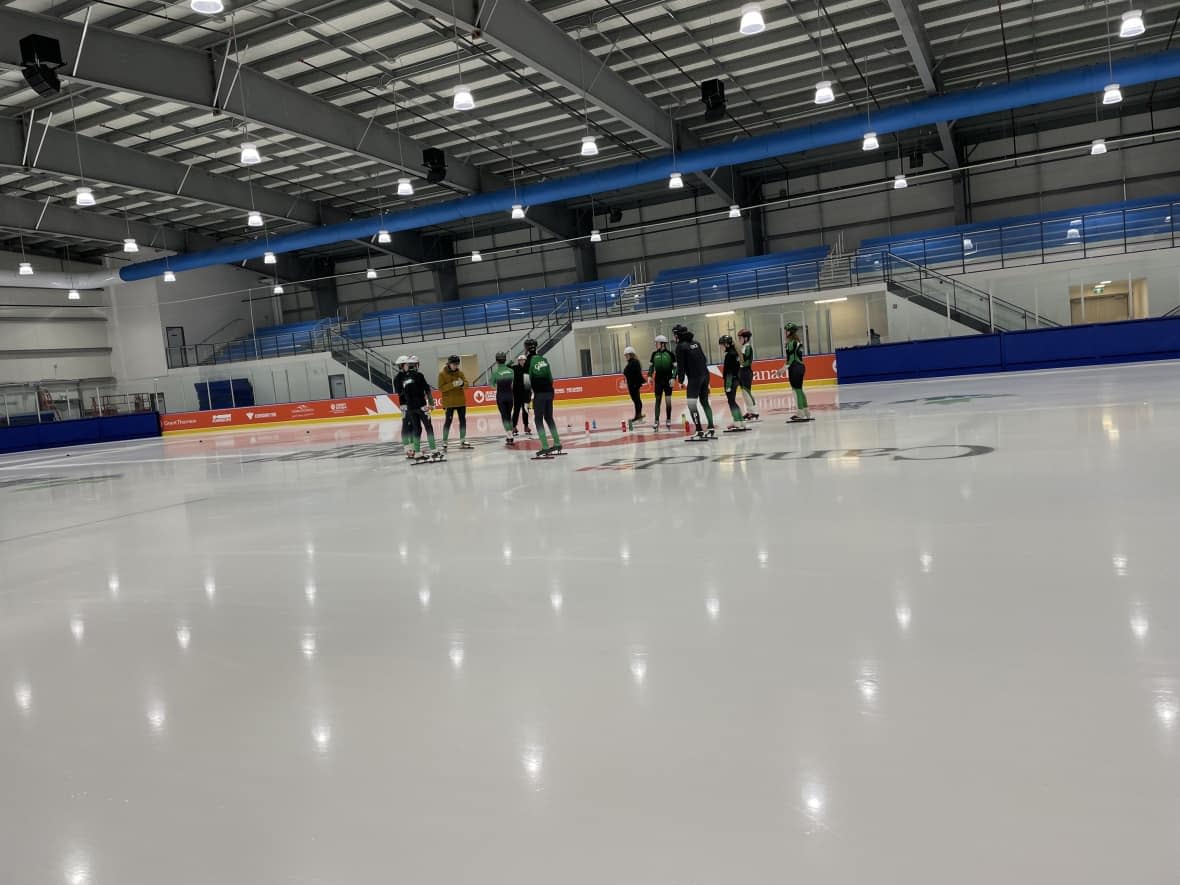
column 141, row 425
column 1130, row 341
column 968, row 355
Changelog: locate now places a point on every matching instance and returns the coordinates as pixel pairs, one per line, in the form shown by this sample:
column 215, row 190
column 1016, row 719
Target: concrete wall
column 44, row 336
column 285, row 379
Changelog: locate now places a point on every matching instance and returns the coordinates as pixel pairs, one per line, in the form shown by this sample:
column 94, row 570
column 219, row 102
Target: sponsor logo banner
column 821, row 368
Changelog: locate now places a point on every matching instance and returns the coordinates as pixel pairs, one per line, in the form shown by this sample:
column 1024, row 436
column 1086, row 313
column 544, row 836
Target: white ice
column 830, row 653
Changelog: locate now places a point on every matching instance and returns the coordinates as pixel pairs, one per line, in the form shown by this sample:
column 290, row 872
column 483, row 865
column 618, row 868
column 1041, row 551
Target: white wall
column 44, row 336
column 285, row 379
column 217, row 303
column 1044, row 289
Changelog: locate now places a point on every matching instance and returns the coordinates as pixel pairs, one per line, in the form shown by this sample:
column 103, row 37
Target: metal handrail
column 991, row 300
column 1048, row 241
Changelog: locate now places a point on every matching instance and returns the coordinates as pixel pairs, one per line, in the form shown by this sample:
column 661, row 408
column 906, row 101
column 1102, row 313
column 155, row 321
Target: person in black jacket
column 407, row 424
column 419, row 402
column 731, row 370
column 522, row 394
column 692, row 371
column 633, row 373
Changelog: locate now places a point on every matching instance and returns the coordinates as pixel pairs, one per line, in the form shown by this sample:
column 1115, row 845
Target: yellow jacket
column 451, row 395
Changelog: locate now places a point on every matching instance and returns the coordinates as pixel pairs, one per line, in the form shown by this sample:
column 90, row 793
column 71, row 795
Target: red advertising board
column 821, row 369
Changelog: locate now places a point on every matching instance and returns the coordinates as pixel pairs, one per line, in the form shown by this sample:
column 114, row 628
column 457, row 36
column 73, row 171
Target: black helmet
column 725, row 341
column 679, row 330
column 501, row 356
column 454, row 359
column 791, row 327
column 530, row 344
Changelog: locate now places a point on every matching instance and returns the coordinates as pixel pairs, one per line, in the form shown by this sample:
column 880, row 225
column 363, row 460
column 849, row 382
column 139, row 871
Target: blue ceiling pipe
column 926, row 112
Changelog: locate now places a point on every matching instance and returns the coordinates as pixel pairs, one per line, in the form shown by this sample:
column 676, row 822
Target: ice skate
column 464, row 444
column 736, row 428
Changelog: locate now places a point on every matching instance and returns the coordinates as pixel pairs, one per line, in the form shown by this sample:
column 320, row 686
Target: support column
column 323, row 286
column 585, row 262
column 441, row 250
column 753, row 219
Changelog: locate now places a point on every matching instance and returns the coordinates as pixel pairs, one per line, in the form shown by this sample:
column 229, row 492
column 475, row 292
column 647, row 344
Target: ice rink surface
column 931, row 638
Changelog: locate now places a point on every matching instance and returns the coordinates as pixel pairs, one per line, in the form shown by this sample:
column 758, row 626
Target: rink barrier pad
column 83, row 431
column 1098, row 344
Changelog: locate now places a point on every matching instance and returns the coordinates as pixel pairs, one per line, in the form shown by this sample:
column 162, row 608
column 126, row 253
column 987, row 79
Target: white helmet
column 627, row 350
column 521, row 357
column 411, row 362
column 661, row 339
column 401, row 360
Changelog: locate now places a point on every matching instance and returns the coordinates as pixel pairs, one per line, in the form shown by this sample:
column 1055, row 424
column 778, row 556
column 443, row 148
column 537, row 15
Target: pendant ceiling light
column 207, row 7
column 1098, row 147
column 476, row 256
column 250, row 155
column 1132, row 24
column 405, row 187
column 517, row 211
column 129, row 245
column 589, row 146
column 278, row 289
column 752, row 21
column 74, row 295
column 1112, row 94
column 383, row 237
column 824, row 93
column 899, row 181
column 25, row 269
column 84, row 197
column 254, row 219
column 675, row 181
column 596, row 236
column 735, row 211
column 371, row 273
column 870, row 143
column 169, row 276
column 269, row 258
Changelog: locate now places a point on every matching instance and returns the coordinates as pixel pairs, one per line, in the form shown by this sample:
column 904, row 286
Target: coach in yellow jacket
column 452, row 386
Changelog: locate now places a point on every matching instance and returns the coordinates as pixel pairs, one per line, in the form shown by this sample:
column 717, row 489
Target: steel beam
column 917, row 44
column 110, row 163
column 173, row 73
column 57, row 220
column 517, row 28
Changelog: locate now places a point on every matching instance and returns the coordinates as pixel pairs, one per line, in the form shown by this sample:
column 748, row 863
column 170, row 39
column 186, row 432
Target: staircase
column 547, row 331
column 954, row 299
column 367, row 363
column 836, row 271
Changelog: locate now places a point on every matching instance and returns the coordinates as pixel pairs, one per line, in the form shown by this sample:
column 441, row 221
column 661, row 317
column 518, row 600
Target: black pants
column 419, row 421
column 731, row 389
column 663, row 392
column 634, row 391
column 520, row 409
column 795, row 373
column 451, row 410
column 696, row 389
column 543, row 410
column 504, row 404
